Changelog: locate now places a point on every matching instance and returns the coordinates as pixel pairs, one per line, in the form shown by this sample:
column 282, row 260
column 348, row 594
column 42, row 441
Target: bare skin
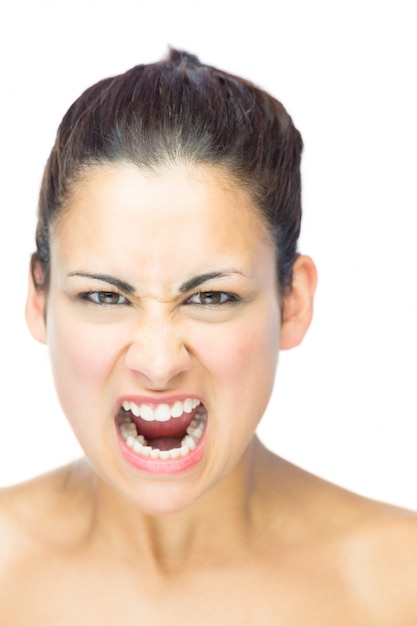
column 288, row 549
column 189, row 311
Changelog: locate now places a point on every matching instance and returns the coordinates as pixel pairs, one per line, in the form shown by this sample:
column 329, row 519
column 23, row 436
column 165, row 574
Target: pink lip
column 162, row 466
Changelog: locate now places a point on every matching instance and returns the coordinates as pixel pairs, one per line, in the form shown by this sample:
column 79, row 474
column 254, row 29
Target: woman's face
column 163, row 309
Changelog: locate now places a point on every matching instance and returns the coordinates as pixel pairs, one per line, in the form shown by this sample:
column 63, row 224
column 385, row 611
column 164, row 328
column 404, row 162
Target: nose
column 158, row 353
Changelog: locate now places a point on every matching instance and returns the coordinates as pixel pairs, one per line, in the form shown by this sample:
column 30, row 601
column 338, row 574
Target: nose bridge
column 157, row 350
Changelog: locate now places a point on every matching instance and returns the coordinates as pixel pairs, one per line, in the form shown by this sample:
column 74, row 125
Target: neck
column 223, row 521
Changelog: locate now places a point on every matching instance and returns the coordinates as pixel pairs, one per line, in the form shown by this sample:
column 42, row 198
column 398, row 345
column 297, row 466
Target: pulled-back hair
column 179, row 111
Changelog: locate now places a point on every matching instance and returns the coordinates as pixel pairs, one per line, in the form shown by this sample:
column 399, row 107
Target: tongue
column 165, row 443
column 175, row 428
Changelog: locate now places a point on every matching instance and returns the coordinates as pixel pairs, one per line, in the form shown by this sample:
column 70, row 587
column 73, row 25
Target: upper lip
column 153, row 401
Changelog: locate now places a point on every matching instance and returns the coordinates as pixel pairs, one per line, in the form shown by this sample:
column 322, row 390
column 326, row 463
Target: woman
column 165, row 282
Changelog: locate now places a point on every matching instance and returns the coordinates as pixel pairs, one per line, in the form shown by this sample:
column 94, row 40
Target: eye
column 212, row 298
column 106, row 298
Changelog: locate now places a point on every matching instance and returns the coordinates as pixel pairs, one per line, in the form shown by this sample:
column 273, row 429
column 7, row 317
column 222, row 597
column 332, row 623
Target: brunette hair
column 180, row 111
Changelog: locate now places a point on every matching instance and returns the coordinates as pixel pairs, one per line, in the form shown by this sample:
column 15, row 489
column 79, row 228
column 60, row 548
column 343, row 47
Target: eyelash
column 93, row 297
column 98, row 298
column 224, row 297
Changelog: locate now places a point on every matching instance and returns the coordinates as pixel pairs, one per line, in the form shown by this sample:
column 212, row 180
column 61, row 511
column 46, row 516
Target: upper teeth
column 162, row 412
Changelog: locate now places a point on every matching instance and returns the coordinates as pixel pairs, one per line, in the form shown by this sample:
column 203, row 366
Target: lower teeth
column 138, row 443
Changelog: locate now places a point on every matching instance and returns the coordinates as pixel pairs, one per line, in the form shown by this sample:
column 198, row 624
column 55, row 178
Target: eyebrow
column 106, row 278
column 196, row 281
column 190, row 284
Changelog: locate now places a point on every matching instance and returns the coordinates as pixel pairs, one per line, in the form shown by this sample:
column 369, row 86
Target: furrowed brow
column 111, row 280
column 196, row 281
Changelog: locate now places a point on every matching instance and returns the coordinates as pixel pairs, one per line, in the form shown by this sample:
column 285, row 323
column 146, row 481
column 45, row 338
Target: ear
column 298, row 303
column 35, row 310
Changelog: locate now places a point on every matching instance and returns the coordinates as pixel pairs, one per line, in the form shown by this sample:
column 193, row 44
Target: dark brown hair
column 180, row 111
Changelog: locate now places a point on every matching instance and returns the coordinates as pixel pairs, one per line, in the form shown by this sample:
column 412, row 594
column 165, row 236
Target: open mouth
column 168, row 431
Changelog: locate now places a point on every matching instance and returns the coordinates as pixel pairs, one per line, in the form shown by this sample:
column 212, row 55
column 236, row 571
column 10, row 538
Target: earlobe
column 298, row 303
column 35, row 311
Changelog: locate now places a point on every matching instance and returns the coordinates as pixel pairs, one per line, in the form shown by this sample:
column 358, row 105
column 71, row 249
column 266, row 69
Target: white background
column 345, row 404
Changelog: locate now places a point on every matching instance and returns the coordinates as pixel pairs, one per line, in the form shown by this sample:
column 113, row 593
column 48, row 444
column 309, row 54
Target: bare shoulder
column 361, row 554
column 380, row 553
column 375, row 548
column 37, row 513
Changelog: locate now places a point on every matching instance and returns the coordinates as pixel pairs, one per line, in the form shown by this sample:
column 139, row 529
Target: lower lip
column 162, row 466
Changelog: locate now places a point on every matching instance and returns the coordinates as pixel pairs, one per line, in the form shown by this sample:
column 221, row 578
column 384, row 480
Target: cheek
column 243, row 356
column 82, row 358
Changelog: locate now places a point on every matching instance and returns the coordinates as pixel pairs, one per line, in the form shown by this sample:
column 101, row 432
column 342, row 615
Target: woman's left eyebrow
column 196, row 281
column 111, row 280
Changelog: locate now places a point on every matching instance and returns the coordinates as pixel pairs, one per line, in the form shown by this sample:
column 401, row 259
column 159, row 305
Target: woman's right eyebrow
column 106, row 278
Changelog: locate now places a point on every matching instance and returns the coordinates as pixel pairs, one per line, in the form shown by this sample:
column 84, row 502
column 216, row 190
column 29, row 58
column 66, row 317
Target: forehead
column 177, row 216
column 163, row 189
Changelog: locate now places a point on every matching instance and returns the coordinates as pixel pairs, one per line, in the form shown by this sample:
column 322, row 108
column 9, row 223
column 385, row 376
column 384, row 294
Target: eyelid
column 86, row 296
column 227, row 296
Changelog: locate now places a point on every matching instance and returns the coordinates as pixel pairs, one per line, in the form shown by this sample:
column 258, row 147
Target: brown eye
column 211, row 298
column 105, row 298
column 108, row 297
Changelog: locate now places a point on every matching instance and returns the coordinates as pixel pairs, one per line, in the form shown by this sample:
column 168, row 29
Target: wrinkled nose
column 158, row 353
